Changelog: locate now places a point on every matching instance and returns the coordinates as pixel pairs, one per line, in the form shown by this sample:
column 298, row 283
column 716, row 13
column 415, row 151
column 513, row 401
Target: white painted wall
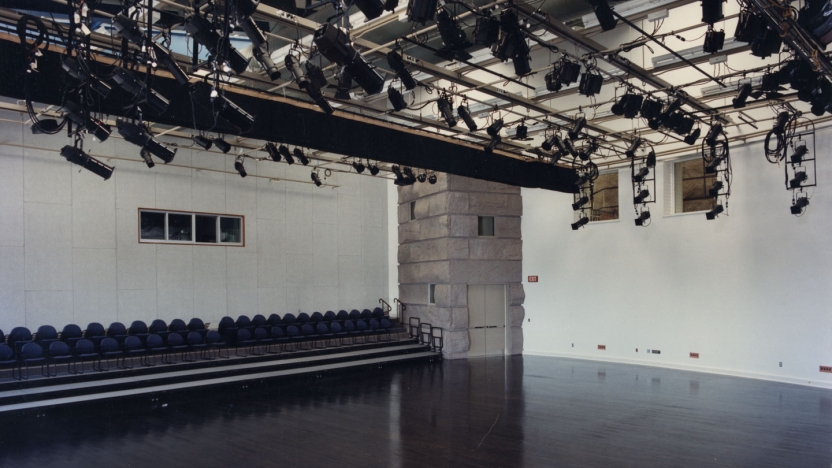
column 746, row 291
column 69, row 251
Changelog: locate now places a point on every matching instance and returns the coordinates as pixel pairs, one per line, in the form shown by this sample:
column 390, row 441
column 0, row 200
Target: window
column 431, row 294
column 176, row 227
column 605, row 199
column 690, row 186
column 412, row 210
column 485, row 225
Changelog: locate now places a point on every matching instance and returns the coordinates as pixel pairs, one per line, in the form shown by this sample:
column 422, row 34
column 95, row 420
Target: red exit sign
column 532, row 279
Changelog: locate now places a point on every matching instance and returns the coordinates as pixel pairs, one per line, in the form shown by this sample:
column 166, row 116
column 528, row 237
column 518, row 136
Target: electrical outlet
column 694, row 355
column 602, row 347
column 656, row 351
column 826, row 369
column 658, row 15
column 718, row 59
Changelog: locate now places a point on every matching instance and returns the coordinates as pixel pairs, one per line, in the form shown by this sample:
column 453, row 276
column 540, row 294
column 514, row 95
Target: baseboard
column 706, row 370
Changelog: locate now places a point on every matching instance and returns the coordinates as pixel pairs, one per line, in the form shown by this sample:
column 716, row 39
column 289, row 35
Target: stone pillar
column 441, row 246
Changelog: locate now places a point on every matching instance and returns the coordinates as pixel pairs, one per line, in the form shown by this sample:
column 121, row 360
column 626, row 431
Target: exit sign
column 532, row 279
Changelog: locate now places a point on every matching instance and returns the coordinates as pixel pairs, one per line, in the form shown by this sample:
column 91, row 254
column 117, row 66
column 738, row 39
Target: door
column 486, row 319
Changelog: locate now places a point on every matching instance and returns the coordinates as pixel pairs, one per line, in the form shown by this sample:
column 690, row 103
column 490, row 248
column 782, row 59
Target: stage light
column 74, row 69
column 495, row 140
column 799, row 152
column 631, row 151
column 447, row 110
column 239, row 165
column 563, row 73
column 548, row 142
column 587, row 150
column 99, row 129
column 715, row 188
column 651, row 159
column 265, row 60
column 345, row 85
column 487, row 30
column 46, row 126
column 712, row 11
column 711, row 167
column 409, row 176
column 203, row 32
column 359, row 167
column 558, row 144
column 522, row 132
column 693, row 136
column 164, row 58
column 463, row 113
column 284, row 151
column 644, row 194
column 421, row 11
column 316, row 178
column 397, row 64
column 301, row 157
column 76, row 156
column 654, row 124
column 222, row 145
column 372, row 9
column 781, row 122
column 713, row 134
column 590, row 84
column 495, row 127
column 766, row 43
column 742, row 96
column 402, row 179
column 579, row 223
column 799, row 205
column 201, row 93
column 628, row 105
column 139, row 90
column 396, row 99
column 422, row 177
column 521, row 60
column 644, row 216
column 581, row 180
column 604, row 14
column 570, row 147
column 580, row 203
column 506, row 47
column 148, row 160
column 714, row 41
column 672, row 107
column 432, row 178
column 129, row 29
column 641, row 174
column 297, row 73
column 714, row 212
column 333, row 44
column 453, row 37
column 374, row 170
column 799, row 178
column 202, row 142
column 577, row 127
column 273, row 152
column 140, row 136
column 683, row 125
column 651, row 109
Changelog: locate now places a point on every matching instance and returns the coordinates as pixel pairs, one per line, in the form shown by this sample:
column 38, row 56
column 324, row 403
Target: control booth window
column 605, row 198
column 177, row 227
column 690, row 186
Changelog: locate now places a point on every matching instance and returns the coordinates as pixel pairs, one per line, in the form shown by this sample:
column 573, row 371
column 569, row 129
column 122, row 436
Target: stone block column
column 439, row 244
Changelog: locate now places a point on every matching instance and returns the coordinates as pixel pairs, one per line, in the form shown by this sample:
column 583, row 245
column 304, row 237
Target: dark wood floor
column 523, row 411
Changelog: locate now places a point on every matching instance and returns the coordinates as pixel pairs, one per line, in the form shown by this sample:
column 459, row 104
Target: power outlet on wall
column 694, row 355
column 826, row 369
column 602, row 347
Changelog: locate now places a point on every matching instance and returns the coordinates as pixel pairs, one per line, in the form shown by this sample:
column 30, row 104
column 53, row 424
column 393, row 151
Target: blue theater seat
column 117, row 331
column 7, row 358
column 84, row 351
column 31, row 354
column 45, row 336
column 133, row 347
column 95, row 332
column 216, row 344
column 195, row 343
column 316, row 317
column 159, row 327
column 155, row 346
column 176, row 344
column 274, row 320
column 58, row 353
column 18, row 337
column 109, row 348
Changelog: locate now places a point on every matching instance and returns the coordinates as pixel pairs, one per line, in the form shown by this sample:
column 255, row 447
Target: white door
column 486, row 319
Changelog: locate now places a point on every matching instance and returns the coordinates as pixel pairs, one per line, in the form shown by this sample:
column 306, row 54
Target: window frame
column 590, row 209
column 493, row 225
column 193, row 215
column 671, row 200
column 431, row 293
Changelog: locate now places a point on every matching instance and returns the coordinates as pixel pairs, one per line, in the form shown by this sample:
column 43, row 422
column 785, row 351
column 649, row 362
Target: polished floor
column 521, row 411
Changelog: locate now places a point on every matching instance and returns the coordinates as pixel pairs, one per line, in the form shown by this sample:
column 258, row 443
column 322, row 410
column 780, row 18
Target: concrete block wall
column 69, row 250
column 441, row 246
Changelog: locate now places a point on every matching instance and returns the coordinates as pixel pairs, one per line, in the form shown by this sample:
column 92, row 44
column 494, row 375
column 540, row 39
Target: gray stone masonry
column 441, row 246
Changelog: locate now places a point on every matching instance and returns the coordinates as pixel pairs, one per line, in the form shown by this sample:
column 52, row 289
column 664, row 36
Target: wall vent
column 694, row 355
column 656, row 351
column 826, row 369
column 601, row 346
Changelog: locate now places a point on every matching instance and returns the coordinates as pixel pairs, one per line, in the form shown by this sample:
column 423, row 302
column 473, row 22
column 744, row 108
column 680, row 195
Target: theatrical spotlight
column 563, row 73
column 222, row 145
column 447, row 110
column 570, row 148
column 693, row 136
column 644, row 216
column 580, row 203
column 359, row 167
column 590, row 84
column 714, row 41
column 494, row 129
column 397, row 64
column 577, row 127
column 631, row 151
column 587, row 150
column 83, row 74
column 140, row 136
column 273, row 152
column 712, row 135
column 581, row 180
column 799, row 152
column 715, row 188
column 239, row 165
column 579, row 223
column 711, row 167
column 781, row 122
column 712, row 11
column 742, row 96
column 495, row 140
column 284, row 151
column 799, row 205
column 374, row 169
column 799, row 178
column 76, row 156
column 301, row 157
column 422, row 177
column 202, row 142
column 201, row 93
column 641, row 174
column 332, row 43
column 644, row 194
column 83, row 120
column 139, row 90
column 628, row 105
column 651, row 159
column 604, row 14
column 396, row 99
column 406, row 178
column 465, row 115
column 203, row 32
column 432, row 178
column 487, row 30
column 266, row 62
column 651, row 109
column 421, row 11
column 453, row 37
column 293, row 65
column 316, row 178
column 714, row 212
column 522, row 132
